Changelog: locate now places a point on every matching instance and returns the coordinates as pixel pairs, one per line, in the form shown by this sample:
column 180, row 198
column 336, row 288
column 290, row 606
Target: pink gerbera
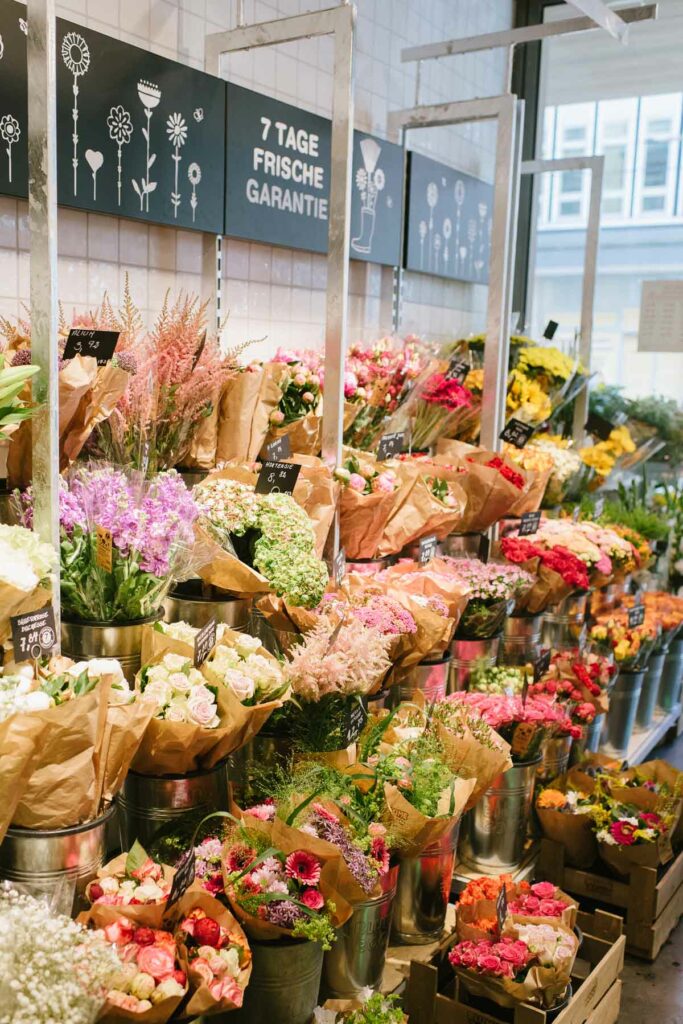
column 239, row 856
column 651, row 819
column 379, row 851
column 623, row 831
column 303, row 867
column 313, row 899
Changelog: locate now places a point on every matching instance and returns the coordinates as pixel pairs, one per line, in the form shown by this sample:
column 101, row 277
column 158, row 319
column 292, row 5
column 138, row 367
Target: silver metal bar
column 600, row 13
column 42, row 212
column 212, row 277
column 514, row 206
column 268, row 33
column 240, row 13
column 456, row 112
column 515, row 36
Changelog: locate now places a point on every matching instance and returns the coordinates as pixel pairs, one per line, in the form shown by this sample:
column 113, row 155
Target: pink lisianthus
column 357, row 482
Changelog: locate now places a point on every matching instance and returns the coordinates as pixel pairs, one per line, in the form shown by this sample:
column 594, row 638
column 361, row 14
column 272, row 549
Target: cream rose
column 202, row 711
column 241, row 685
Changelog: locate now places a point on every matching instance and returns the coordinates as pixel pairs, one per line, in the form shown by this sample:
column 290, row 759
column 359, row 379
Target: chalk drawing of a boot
column 369, row 182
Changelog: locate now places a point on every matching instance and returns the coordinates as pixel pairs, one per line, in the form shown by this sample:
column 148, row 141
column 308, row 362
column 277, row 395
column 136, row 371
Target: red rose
column 207, row 932
column 489, row 963
column 143, row 936
column 96, row 892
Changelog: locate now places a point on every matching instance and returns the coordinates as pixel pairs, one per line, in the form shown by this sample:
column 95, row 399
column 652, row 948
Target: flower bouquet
column 591, row 674
column 492, row 590
column 281, row 882
column 429, row 500
column 367, row 499
column 564, row 812
column 630, row 646
column 538, row 903
column 51, row 968
column 378, row 381
column 247, row 402
column 507, row 680
column 566, row 467
column 569, row 697
column 558, row 573
column 214, row 954
column 149, row 984
column 654, row 782
column 524, row 725
column 537, row 466
column 149, row 525
column 530, row 963
column 298, row 413
column 436, row 407
column 261, row 541
column 471, row 748
column 26, row 565
column 133, row 886
column 493, row 484
column 368, row 1008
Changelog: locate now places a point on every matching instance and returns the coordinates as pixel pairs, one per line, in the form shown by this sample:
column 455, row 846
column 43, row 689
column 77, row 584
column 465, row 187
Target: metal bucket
column 66, row 858
column 554, row 757
column 149, row 802
column 182, row 607
column 423, row 891
column 284, row 984
column 357, row 958
column 462, row 545
column 367, row 565
column 261, row 752
column 672, row 677
column 521, row 641
column 123, row 641
column 495, row 830
column 589, row 743
column 468, row 654
column 621, row 717
column 650, row 691
column 429, row 677
column 564, row 626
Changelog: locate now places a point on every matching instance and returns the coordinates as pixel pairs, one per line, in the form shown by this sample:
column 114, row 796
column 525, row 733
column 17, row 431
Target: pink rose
column 384, row 483
column 489, row 963
column 531, row 905
column 544, row 890
column 550, row 908
column 200, row 967
column 120, row 932
column 357, row 482
column 468, row 958
column 156, row 961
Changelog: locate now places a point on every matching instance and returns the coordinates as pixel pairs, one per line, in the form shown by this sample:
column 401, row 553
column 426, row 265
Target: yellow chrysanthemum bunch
column 547, row 361
column 475, row 380
column 527, row 397
column 604, row 454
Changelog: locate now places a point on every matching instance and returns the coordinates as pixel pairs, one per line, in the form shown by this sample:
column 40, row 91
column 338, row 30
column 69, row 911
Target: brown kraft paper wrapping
column 124, row 729
column 422, row 581
column 414, row 831
column 317, row 492
column 63, row 790
column 95, row 406
column 530, row 501
column 18, row 602
column 489, row 495
column 21, row 742
column 421, row 513
column 363, row 519
column 304, row 435
column 656, row 771
column 236, row 410
column 148, row 915
column 288, row 840
column 201, row 1001
column 202, row 453
column 468, row 758
column 467, row 915
column 574, row 832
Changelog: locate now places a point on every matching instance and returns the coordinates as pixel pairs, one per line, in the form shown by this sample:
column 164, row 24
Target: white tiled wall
column 273, row 293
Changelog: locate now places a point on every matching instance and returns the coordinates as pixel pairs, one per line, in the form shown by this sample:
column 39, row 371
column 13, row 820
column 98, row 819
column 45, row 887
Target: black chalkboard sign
column 484, row 548
column 34, row 634
column 138, row 135
column 542, row 664
column 457, row 369
column 550, row 329
column 636, row 615
column 529, row 523
column 185, row 872
column 448, row 221
column 502, row 907
column 356, row 718
column 599, row 426
column 204, row 642
column 517, row 433
column 390, row 444
column 82, row 341
column 376, row 200
column 277, row 477
column 280, row 448
column 427, row 549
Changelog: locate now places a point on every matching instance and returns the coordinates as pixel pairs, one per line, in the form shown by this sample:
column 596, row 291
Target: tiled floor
column 653, row 993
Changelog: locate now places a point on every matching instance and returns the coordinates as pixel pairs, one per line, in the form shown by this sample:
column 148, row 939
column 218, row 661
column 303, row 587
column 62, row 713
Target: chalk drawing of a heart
column 95, row 160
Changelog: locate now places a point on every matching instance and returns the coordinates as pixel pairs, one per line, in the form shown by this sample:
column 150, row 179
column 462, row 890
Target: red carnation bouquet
column 558, row 572
column 435, row 407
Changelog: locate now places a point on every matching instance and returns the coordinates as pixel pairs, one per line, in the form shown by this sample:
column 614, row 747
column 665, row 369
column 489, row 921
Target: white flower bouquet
column 180, row 692
column 240, row 662
column 25, row 567
column 132, row 885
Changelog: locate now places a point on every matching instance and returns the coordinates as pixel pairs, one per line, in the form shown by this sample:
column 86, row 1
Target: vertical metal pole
column 588, row 297
column 42, row 211
column 212, row 277
column 514, row 219
column 497, row 328
column 338, row 243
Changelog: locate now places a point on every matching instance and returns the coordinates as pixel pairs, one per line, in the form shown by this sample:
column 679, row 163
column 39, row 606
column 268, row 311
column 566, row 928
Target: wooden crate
column 653, row 903
column 595, row 979
column 400, row 957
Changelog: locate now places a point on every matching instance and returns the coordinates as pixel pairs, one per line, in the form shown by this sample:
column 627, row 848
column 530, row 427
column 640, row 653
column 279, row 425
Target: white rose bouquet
column 25, row 574
column 241, row 663
column 180, row 692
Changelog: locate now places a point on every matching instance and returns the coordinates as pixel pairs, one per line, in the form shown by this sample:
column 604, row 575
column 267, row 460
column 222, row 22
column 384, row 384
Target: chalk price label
column 277, row 477
column 84, row 342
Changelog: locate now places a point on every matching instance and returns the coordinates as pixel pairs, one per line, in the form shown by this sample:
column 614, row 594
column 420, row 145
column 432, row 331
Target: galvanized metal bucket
column 263, row 751
column 123, row 641
column 564, row 626
column 423, row 890
column 521, row 641
column 284, row 984
column 149, row 802
column 494, row 831
column 64, row 858
column 650, row 691
column 554, row 757
column 429, row 677
column 357, row 958
column 468, row 655
column 196, row 608
column 589, row 742
column 621, row 717
column 462, row 545
column 672, row 677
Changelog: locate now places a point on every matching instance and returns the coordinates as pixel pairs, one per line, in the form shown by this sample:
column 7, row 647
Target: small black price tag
column 427, row 549
column 484, row 548
column 85, row 342
column 457, row 370
column 636, row 615
column 599, row 426
column 277, row 477
column 661, row 545
column 34, row 634
column 184, row 876
column 339, row 567
column 541, row 665
column 280, row 448
column 204, row 642
column 355, row 722
column 529, row 523
column 391, row 444
column 517, row 433
column 550, row 329
column 598, row 507
column 502, row 907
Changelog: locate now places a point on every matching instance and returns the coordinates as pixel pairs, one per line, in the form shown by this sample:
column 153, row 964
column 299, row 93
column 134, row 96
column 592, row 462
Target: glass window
column 657, row 156
column 656, row 162
column 616, row 140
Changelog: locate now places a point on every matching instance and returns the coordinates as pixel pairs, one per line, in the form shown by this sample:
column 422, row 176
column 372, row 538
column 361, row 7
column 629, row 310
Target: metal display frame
column 508, row 113
column 339, row 22
column 595, row 165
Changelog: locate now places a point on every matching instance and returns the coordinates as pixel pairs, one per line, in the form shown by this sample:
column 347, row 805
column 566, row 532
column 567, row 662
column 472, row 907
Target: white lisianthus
column 604, row 836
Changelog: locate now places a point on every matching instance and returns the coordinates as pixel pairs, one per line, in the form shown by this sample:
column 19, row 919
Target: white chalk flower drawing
column 150, row 97
column 198, row 114
column 10, row 133
column 194, row 174
column 76, row 57
column 120, row 131
column 2, row 48
column 23, row 25
column 176, row 129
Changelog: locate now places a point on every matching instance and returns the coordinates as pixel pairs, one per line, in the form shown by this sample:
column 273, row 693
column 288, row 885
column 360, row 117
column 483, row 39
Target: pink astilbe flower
column 352, row 662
